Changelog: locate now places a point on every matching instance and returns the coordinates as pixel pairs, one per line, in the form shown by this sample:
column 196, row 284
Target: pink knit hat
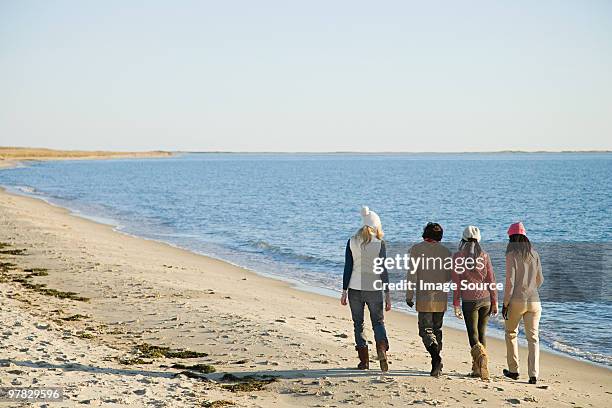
column 517, row 228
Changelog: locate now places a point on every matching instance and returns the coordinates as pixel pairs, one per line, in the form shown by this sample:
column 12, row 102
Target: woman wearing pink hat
column 521, row 300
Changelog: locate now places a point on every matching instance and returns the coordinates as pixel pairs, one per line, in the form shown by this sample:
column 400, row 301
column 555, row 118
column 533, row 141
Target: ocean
column 290, row 215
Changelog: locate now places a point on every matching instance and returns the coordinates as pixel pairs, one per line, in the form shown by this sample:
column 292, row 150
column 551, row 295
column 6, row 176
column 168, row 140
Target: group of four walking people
column 474, row 293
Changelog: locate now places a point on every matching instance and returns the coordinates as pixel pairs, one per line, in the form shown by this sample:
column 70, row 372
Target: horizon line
column 388, row 152
column 315, row 152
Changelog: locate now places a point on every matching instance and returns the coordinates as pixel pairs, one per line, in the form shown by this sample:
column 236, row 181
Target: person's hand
column 458, row 313
column 387, row 302
column 493, row 309
column 410, row 303
column 343, row 298
column 505, row 312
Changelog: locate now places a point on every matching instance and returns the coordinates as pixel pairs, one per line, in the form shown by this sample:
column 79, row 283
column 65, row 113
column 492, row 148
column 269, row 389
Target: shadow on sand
column 286, row 374
column 88, row 368
column 330, row 373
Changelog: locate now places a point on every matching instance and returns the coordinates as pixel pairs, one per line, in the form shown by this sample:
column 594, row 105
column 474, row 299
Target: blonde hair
column 364, row 234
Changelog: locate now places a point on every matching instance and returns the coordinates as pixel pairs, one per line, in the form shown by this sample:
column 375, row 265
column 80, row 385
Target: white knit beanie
column 370, row 218
column 471, row 232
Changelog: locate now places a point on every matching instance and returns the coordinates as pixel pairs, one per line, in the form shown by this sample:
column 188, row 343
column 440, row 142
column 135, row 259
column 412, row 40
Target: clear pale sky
column 306, row 75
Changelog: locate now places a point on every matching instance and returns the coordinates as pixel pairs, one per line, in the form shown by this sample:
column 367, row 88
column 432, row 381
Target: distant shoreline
column 11, row 156
column 398, row 153
column 35, row 153
column 27, row 153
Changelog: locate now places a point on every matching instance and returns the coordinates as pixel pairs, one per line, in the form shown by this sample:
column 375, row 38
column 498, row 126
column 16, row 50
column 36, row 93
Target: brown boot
column 364, row 358
column 484, row 364
column 381, row 349
column 475, row 367
column 481, row 360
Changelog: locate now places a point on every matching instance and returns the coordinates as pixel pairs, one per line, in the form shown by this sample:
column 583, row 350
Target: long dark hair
column 466, row 245
column 471, row 249
column 519, row 243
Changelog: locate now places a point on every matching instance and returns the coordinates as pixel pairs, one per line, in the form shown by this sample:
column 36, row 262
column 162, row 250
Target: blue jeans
column 357, row 301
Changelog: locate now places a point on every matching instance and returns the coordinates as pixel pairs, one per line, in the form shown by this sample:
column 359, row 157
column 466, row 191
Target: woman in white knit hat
column 363, row 286
column 475, row 297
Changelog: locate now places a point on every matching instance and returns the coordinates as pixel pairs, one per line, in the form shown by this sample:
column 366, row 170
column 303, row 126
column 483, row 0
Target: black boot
column 436, row 360
column 533, row 380
column 510, row 374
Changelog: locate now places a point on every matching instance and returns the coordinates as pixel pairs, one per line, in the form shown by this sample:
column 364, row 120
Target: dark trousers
column 430, row 328
column 357, row 301
column 476, row 315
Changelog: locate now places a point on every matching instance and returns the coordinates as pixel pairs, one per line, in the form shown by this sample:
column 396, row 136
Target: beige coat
column 523, row 278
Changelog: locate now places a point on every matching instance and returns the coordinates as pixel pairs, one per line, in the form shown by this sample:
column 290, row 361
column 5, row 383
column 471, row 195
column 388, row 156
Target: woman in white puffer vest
column 362, row 285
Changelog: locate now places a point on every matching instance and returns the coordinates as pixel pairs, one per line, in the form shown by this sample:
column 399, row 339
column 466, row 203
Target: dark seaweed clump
column 151, row 351
column 30, row 273
column 247, row 383
column 85, row 335
column 36, row 272
column 217, row 404
column 62, row 295
column 202, row 368
column 7, row 266
column 74, row 318
column 13, row 252
column 134, row 361
column 41, row 288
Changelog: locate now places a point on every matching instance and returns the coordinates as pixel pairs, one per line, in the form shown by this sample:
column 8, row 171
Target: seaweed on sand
column 148, row 351
column 134, row 361
column 18, row 297
column 85, row 335
column 217, row 403
column 33, row 286
column 36, row 272
column 247, row 383
column 13, row 252
column 25, row 281
column 74, row 318
column 151, row 351
column 7, row 266
column 41, row 288
column 62, row 295
column 202, row 368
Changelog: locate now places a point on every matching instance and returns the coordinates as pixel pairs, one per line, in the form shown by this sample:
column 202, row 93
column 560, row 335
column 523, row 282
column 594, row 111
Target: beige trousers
column 530, row 313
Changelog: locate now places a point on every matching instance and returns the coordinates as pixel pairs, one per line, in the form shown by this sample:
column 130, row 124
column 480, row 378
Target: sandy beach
column 185, row 191
column 84, row 308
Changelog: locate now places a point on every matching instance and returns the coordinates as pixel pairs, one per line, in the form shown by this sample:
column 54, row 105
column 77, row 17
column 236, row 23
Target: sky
column 310, row 76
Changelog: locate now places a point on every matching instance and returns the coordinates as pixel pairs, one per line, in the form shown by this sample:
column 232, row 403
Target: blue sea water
column 289, row 215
